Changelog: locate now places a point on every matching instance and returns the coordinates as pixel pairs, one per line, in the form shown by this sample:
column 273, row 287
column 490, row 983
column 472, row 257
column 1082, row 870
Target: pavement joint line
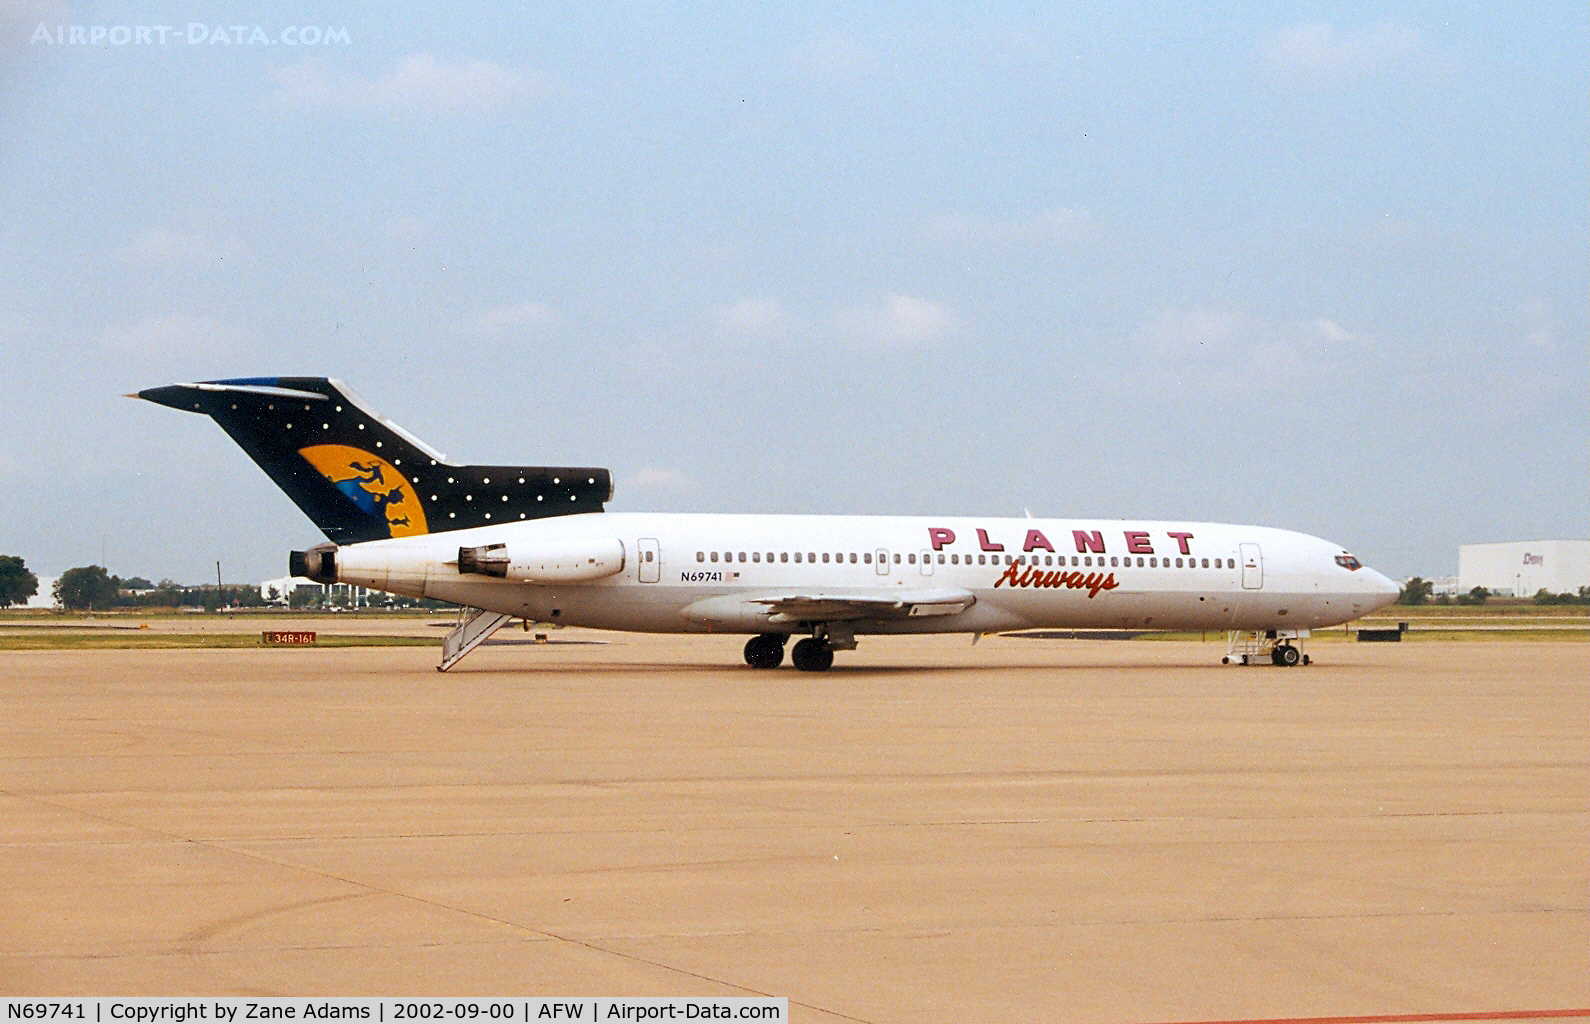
column 372, row 888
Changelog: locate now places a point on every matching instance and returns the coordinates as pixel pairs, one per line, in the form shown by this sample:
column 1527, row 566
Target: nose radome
column 1383, row 590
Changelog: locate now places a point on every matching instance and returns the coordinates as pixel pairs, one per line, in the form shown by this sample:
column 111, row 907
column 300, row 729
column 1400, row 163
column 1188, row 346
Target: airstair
column 473, row 627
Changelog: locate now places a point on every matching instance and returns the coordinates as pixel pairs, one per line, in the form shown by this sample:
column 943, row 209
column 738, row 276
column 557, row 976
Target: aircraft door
column 927, row 563
column 881, row 557
column 649, row 555
column 1252, row 567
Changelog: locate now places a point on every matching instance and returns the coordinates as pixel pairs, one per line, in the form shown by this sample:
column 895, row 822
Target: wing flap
column 833, row 607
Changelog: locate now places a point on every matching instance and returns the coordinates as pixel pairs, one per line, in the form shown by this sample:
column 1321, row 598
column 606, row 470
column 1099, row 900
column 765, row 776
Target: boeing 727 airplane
column 535, row 543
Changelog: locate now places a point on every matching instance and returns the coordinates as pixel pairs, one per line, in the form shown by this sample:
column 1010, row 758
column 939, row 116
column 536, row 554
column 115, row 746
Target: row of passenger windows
column 865, row 558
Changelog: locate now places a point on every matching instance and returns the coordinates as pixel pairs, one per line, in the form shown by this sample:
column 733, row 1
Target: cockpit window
column 1348, row 562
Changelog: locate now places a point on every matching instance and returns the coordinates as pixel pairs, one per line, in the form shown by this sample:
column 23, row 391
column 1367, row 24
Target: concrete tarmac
column 1018, row 831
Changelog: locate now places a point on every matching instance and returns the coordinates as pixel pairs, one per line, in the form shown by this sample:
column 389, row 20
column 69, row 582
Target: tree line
column 1418, row 591
column 94, row 588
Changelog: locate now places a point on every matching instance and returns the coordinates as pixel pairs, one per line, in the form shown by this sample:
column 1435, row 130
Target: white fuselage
column 680, row 573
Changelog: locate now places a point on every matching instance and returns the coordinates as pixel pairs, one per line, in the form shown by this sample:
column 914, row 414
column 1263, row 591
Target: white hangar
column 1525, row 567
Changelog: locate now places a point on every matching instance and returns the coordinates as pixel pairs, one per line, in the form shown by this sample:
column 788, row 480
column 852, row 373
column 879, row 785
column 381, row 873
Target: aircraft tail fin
column 359, row 476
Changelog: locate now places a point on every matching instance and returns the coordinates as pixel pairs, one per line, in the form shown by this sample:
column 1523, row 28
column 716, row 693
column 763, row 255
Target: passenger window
column 896, row 559
column 866, row 557
column 1205, row 565
column 980, row 559
column 701, row 556
column 911, row 558
column 825, row 558
column 1139, row 561
column 941, row 559
column 852, row 558
column 742, row 556
column 955, row 559
column 783, row 556
column 797, row 556
column 811, row 556
column 1178, row 563
column 1112, row 560
column 714, row 556
column 1153, row 563
column 756, row 556
column 1087, row 560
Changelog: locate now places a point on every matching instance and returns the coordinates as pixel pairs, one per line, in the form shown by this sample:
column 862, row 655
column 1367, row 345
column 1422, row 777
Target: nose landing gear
column 1283, row 647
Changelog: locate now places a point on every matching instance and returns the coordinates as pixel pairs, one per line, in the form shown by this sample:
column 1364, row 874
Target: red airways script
column 1027, row 576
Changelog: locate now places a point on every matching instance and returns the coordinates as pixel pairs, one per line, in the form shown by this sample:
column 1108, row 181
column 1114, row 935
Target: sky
column 1315, row 266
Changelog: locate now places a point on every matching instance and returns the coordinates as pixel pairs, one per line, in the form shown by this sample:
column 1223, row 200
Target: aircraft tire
column 812, row 655
column 765, row 650
column 1287, row 655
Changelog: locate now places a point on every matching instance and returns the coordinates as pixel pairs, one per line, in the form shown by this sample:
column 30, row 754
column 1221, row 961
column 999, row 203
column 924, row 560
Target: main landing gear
column 766, row 650
column 812, row 654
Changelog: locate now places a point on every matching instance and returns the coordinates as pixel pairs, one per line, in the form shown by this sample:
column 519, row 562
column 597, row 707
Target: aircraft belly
column 674, row 609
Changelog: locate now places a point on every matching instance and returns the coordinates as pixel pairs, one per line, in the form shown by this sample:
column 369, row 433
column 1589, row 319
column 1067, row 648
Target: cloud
column 407, row 229
column 1540, row 329
column 175, row 335
column 1316, row 53
column 165, row 247
column 834, row 56
column 754, row 316
column 654, row 479
column 20, row 18
column 513, row 318
column 1057, row 226
column 1210, row 341
column 420, row 83
column 897, row 321
column 1193, row 333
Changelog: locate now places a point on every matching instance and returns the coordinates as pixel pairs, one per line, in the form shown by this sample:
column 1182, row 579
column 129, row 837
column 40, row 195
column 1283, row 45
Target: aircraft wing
column 838, row 606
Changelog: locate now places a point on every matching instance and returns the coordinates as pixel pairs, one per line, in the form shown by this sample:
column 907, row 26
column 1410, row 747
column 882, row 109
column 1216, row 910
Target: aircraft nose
column 1382, row 590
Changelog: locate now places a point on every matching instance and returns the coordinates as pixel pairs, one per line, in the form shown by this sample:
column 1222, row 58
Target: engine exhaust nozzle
column 319, row 563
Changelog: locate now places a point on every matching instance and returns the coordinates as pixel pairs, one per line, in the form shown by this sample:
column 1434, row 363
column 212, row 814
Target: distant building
column 45, row 598
column 278, row 591
column 1525, row 567
column 339, row 594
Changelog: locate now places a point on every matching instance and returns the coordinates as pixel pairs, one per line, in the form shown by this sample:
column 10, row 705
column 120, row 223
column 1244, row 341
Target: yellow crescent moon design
column 372, row 483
